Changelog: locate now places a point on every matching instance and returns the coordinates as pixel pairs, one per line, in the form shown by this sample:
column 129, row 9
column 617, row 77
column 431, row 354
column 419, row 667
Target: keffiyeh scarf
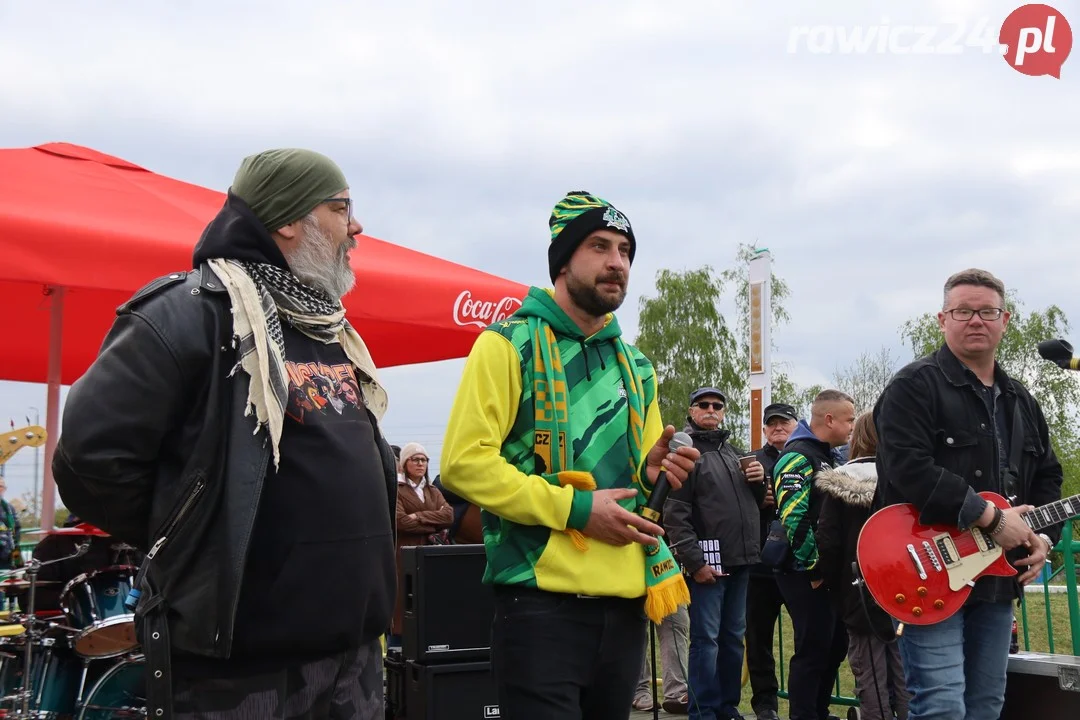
column 261, row 295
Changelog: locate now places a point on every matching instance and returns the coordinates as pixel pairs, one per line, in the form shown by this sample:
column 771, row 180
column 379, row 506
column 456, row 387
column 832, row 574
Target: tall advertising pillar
column 760, row 343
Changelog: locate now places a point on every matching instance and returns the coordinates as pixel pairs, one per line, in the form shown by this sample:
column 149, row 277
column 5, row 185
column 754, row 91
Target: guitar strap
column 1012, row 476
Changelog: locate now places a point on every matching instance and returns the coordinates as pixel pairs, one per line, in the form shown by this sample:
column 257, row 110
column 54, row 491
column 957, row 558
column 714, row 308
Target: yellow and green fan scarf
column 665, row 588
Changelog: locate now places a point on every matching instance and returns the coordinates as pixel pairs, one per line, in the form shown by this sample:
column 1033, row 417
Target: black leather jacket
column 158, row 452
column 937, row 449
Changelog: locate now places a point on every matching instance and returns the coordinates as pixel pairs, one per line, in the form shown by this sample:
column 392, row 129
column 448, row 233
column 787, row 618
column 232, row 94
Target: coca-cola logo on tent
column 480, row 312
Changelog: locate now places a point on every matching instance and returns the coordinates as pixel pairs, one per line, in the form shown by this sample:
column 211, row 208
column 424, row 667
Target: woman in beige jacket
column 423, row 515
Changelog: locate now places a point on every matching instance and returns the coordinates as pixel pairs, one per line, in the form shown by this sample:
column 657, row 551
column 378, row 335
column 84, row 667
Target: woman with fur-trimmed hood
column 847, row 492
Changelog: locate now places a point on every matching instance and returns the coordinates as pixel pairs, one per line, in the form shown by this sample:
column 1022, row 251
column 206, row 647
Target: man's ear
column 290, row 232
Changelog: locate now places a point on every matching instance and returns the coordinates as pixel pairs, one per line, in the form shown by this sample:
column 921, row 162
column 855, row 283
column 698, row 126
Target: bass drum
column 119, row 694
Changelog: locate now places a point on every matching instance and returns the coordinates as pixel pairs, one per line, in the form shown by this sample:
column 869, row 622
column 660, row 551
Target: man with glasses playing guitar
column 954, row 429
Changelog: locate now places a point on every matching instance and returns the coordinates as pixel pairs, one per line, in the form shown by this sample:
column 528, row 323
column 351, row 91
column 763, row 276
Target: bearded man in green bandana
column 209, row 434
column 556, row 435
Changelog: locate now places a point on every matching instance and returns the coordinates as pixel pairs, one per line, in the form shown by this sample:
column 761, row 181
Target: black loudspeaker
column 447, row 609
column 450, row 691
column 396, row 682
column 1043, row 686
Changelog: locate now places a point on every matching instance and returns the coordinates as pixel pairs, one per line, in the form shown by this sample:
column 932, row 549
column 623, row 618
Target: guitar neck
column 1053, row 513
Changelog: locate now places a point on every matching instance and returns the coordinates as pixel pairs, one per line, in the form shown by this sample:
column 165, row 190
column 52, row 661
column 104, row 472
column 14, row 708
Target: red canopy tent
column 80, row 231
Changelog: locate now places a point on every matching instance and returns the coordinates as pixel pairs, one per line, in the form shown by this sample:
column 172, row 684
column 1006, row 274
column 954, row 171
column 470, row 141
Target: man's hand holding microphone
column 667, row 465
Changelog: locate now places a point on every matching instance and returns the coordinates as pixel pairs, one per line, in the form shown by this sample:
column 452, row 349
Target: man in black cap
column 713, row 521
column 763, row 600
column 197, row 435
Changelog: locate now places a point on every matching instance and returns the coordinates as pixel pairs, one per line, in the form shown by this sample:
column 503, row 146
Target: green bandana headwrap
column 281, row 186
column 665, row 588
column 574, row 218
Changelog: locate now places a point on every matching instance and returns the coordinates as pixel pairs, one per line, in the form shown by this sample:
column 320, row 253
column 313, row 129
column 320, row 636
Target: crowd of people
column 231, row 428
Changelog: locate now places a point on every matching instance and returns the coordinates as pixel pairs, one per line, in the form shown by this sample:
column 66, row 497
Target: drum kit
column 81, row 661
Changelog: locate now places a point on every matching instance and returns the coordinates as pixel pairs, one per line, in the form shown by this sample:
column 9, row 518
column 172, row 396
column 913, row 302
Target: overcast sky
column 871, row 177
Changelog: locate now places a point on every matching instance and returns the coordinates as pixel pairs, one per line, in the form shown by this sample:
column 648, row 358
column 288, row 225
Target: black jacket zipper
column 196, row 490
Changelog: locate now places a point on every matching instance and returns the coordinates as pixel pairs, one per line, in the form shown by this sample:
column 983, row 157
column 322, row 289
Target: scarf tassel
column 665, row 597
column 581, row 481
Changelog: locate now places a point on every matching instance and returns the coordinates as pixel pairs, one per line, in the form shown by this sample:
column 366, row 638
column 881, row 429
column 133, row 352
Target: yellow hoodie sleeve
column 482, row 416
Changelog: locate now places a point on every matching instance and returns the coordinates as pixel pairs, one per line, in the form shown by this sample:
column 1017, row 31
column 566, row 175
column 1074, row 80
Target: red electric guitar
column 922, row 574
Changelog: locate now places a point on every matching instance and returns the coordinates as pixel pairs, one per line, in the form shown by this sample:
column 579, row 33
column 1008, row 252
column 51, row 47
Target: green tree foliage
column 690, row 342
column 1056, row 390
column 866, row 378
column 800, row 398
column 684, row 333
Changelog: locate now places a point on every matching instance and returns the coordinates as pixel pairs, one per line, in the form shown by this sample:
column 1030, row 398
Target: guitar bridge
column 932, row 555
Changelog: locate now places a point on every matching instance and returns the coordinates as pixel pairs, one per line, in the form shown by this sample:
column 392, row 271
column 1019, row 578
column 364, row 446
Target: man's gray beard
column 316, row 263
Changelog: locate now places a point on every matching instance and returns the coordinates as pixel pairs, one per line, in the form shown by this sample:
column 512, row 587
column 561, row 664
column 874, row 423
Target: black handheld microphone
column 1060, row 353
column 659, row 494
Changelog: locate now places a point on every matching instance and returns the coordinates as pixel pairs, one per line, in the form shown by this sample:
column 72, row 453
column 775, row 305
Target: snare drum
column 94, row 605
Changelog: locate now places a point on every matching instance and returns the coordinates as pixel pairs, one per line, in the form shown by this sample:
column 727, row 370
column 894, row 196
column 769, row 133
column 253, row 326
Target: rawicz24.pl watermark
column 1033, row 39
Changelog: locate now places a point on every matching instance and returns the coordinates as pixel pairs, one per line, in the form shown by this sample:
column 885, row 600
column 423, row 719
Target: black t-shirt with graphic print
column 320, row 576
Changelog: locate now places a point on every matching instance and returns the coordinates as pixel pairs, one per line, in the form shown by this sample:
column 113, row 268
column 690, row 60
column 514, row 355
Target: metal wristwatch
column 1049, row 542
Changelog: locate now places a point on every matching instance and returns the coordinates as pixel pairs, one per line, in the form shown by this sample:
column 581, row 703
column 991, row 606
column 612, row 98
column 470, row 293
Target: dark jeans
column 563, row 657
column 820, row 647
column 717, row 624
column 763, row 603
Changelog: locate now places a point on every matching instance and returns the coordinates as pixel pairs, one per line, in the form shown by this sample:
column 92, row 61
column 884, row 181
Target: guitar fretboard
column 1053, row 513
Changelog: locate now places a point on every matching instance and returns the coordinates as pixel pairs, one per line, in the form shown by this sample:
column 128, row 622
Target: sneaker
column 680, row 706
column 643, row 703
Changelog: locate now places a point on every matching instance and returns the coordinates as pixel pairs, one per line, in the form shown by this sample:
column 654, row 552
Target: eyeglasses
column 705, row 405
column 348, row 206
column 965, row 314
column 419, row 460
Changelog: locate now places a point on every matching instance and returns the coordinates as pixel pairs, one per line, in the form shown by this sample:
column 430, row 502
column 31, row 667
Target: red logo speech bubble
column 1037, row 39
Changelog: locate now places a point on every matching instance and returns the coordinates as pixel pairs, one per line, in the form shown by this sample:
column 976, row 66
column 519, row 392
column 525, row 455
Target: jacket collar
column 718, row 436
column 959, row 374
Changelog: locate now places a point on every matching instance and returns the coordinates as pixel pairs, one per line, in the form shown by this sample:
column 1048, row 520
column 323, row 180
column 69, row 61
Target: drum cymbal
column 82, row 529
column 20, row 584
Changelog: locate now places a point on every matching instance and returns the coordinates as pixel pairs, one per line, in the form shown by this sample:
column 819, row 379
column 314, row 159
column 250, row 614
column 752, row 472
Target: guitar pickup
column 983, row 540
column 947, row 549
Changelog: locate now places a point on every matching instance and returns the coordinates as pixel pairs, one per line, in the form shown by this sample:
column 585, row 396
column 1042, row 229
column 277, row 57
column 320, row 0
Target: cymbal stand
column 32, row 631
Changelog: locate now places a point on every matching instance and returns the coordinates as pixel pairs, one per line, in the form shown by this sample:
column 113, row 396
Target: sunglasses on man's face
column 705, row 405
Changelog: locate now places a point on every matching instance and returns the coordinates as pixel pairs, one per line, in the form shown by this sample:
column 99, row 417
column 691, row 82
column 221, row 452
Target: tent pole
column 52, row 407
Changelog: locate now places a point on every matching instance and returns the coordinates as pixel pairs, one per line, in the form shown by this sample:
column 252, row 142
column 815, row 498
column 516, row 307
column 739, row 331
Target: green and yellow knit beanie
column 574, row 218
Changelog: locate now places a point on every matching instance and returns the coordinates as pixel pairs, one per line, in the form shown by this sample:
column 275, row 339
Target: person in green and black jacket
column 820, row 638
column 763, row 599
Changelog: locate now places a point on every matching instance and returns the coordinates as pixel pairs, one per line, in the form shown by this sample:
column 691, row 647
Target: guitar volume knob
column 900, row 598
column 938, row 604
column 922, row 592
column 916, row 611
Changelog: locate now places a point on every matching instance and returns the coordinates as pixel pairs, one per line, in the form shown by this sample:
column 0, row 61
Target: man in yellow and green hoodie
column 556, row 435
